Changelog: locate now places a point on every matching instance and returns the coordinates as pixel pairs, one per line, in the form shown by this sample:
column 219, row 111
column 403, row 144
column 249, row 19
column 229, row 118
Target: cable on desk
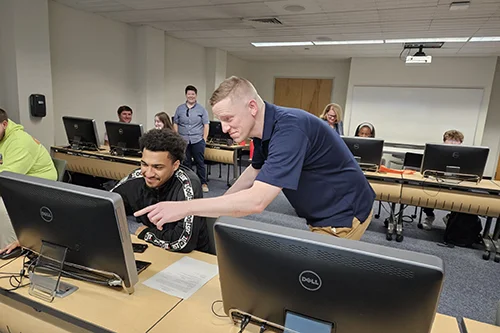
column 263, row 328
column 215, row 313
column 244, row 323
column 8, row 262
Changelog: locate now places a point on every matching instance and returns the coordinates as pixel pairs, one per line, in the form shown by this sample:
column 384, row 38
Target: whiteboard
column 416, row 115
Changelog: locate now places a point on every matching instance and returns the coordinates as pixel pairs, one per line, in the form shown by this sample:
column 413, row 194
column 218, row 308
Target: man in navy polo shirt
column 295, row 152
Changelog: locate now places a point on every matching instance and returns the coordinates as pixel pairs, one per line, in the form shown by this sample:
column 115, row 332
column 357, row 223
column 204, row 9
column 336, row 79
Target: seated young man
column 23, row 154
column 451, row 137
column 163, row 178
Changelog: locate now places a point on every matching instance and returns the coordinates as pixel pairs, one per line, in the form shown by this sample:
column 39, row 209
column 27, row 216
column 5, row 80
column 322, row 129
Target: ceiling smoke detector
column 294, row 8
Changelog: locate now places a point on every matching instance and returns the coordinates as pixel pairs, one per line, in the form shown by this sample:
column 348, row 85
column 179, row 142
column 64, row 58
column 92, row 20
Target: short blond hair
column 232, row 86
column 337, row 108
column 453, row 135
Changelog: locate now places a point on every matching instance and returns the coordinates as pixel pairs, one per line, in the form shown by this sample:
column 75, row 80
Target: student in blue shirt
column 191, row 122
column 295, row 152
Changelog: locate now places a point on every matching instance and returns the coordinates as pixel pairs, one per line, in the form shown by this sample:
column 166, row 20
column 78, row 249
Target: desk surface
column 483, row 184
column 104, row 153
column 195, row 315
column 114, row 309
column 477, row 327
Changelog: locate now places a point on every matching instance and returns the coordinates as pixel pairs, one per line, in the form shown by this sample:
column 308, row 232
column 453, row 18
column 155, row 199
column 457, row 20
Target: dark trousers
column 429, row 212
column 196, row 152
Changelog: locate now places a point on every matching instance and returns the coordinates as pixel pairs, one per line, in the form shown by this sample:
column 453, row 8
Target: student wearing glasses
column 451, row 137
column 332, row 114
column 191, row 122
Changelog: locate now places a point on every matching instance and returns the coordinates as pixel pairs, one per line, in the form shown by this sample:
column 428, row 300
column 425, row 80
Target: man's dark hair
column 3, row 116
column 164, row 140
column 191, row 88
column 124, row 108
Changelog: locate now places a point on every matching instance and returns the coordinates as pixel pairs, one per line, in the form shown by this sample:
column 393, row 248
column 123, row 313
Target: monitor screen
column 217, row 134
column 448, row 160
column 367, row 151
column 90, row 223
column 270, row 271
column 123, row 135
column 81, row 133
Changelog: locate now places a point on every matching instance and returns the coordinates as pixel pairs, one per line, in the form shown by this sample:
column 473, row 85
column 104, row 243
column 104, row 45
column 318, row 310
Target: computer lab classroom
column 416, row 75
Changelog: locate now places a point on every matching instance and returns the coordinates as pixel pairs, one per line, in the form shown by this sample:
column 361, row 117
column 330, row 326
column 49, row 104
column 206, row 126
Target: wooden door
column 497, row 174
column 311, row 95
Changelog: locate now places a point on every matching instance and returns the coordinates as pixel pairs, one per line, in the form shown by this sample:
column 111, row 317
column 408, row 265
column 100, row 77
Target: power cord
column 244, row 323
column 215, row 313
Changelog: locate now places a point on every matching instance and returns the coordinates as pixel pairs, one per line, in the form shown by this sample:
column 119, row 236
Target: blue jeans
column 196, row 152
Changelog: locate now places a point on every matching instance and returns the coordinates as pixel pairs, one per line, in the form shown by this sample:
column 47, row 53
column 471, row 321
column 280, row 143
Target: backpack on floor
column 463, row 229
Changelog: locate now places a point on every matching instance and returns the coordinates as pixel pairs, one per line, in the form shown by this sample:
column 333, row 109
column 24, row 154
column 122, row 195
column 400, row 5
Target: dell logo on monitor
column 310, row 280
column 455, row 154
column 75, row 126
column 46, row 214
column 356, row 146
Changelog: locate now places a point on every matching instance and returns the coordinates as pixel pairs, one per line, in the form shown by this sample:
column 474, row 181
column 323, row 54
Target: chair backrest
column 60, row 167
column 413, row 161
column 211, row 240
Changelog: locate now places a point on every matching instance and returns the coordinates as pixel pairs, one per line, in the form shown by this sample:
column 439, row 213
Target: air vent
column 266, row 20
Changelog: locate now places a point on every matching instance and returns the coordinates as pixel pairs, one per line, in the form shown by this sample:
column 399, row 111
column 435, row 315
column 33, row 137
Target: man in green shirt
column 20, row 153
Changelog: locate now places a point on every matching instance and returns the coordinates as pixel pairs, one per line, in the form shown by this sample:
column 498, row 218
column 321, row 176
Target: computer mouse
column 17, row 252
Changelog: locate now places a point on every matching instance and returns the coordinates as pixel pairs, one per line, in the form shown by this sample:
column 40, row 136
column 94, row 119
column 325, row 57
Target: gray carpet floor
column 471, row 286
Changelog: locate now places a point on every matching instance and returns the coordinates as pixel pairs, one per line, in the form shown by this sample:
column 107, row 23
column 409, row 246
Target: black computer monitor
column 90, row 223
column 454, row 161
column 367, row 151
column 274, row 272
column 124, row 138
column 217, row 135
column 81, row 133
column 413, row 161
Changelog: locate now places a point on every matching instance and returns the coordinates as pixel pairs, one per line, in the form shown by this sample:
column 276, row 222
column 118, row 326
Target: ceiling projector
column 419, row 58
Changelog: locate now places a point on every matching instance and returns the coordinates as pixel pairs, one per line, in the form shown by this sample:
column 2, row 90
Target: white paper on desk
column 183, row 278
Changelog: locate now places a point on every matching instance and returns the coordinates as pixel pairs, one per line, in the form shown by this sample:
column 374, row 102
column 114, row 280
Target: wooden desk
column 387, row 186
column 477, row 327
column 96, row 163
column 93, row 307
column 103, row 164
column 195, row 315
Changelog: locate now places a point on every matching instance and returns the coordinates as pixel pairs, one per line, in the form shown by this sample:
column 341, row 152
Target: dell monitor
column 217, row 135
column 366, row 151
column 124, row 138
column 81, row 133
column 281, row 275
column 89, row 223
column 454, row 161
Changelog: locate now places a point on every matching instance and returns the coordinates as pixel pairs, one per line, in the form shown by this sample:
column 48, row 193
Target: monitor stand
column 78, row 145
column 45, row 277
column 452, row 173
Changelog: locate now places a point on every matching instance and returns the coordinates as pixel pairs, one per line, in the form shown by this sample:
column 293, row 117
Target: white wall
column 236, row 67
column 185, row 64
column 93, row 62
column 443, row 72
column 262, row 75
column 9, row 99
column 491, row 135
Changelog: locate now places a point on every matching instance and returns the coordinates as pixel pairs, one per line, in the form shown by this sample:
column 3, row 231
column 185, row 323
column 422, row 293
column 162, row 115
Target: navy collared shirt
column 191, row 123
column 319, row 176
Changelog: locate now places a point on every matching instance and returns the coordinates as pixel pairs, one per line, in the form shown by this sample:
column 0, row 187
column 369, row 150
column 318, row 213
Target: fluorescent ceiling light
column 428, row 40
column 348, row 42
column 270, row 44
column 485, row 39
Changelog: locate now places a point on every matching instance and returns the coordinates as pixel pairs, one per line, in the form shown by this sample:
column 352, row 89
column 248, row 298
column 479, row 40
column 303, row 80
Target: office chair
column 60, row 167
column 211, row 240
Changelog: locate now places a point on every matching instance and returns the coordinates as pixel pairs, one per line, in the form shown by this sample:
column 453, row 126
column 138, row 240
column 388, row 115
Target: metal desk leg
column 390, row 224
column 496, row 236
column 488, row 243
column 235, row 168
column 399, row 225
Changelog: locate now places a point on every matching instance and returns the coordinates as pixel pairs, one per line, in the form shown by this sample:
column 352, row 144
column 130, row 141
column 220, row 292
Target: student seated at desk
column 20, row 153
column 124, row 116
column 162, row 120
column 365, row 130
column 451, row 137
column 163, row 178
